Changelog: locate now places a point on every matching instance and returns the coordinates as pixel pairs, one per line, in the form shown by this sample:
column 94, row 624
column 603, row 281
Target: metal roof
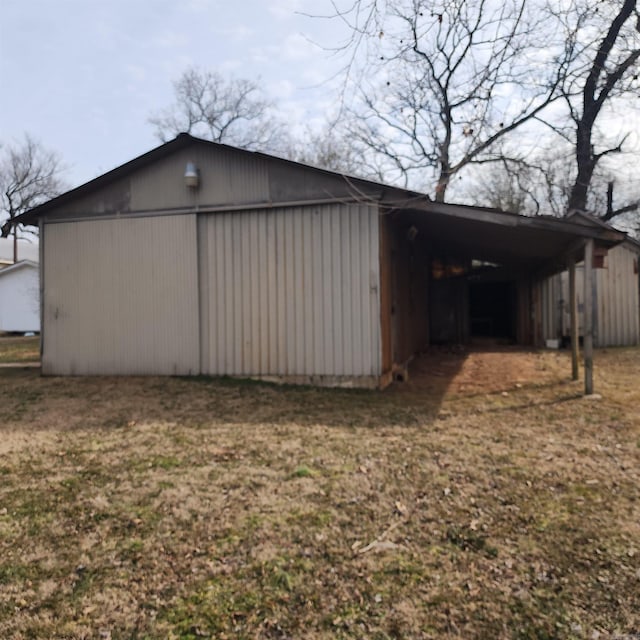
column 516, row 241
column 16, row 266
column 538, row 243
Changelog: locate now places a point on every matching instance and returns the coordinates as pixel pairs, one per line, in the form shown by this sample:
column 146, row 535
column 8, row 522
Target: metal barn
column 198, row 258
column 616, row 290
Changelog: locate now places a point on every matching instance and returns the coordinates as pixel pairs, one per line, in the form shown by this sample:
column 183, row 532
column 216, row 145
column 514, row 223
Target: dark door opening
column 492, row 310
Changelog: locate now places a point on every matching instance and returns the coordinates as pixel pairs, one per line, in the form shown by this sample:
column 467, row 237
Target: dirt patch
column 447, row 507
column 481, row 370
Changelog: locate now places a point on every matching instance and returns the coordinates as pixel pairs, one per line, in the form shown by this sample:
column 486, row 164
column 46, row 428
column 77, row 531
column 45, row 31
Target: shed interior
column 461, row 275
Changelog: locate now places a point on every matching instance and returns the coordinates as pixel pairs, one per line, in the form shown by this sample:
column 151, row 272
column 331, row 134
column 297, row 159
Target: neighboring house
column 26, row 251
column 617, row 295
column 20, row 297
column 199, row 258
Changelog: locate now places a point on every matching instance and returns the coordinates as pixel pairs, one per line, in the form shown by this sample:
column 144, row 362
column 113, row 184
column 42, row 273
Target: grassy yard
column 19, row 349
column 454, row 506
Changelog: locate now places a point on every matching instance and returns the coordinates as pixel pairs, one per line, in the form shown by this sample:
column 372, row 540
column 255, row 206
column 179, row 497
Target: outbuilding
column 616, row 296
column 20, row 298
column 199, row 258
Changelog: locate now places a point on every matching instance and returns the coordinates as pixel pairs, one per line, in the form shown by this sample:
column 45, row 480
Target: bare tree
column 232, row 111
column 29, row 175
column 542, row 182
column 603, row 70
column 508, row 186
column 332, row 147
column 579, row 166
column 443, row 82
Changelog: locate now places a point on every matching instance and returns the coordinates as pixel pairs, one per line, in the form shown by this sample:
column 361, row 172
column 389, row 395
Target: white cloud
column 170, row 40
column 284, row 9
column 136, row 72
column 237, row 32
column 201, row 6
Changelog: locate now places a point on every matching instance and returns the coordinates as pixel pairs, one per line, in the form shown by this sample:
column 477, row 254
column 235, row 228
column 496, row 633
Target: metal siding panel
column 298, row 291
column 336, row 297
column 340, row 316
column 369, row 289
column 289, row 275
column 617, row 315
column 270, row 292
column 129, row 305
column 309, row 277
column 624, row 285
column 219, row 302
column 281, row 294
column 263, row 299
column 226, row 305
column 297, row 280
column 328, row 333
column 226, row 177
column 347, row 295
column 375, row 300
column 356, row 289
column 255, row 311
column 243, row 285
column 204, row 286
column 319, row 284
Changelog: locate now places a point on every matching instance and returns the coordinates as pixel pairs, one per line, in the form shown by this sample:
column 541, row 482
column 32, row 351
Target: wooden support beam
column 573, row 311
column 588, row 317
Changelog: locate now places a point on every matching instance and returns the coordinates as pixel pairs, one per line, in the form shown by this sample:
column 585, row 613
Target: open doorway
column 492, row 310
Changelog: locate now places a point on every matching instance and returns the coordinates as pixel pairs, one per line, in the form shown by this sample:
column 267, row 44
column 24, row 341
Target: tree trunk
column 441, row 187
column 586, row 163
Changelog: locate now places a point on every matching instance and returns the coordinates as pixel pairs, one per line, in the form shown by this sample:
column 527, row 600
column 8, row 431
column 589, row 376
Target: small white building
column 20, row 297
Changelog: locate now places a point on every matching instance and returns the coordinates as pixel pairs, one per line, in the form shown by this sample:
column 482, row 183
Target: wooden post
column 573, row 311
column 588, row 317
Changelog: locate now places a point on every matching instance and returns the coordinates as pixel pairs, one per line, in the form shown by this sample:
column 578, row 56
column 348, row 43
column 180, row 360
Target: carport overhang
column 538, row 245
column 535, row 247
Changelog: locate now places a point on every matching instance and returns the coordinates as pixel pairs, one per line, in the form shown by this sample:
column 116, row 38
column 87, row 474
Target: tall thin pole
column 588, row 317
column 15, row 243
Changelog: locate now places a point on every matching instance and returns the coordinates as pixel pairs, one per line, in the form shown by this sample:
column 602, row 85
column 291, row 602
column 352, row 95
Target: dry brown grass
column 19, row 348
column 444, row 508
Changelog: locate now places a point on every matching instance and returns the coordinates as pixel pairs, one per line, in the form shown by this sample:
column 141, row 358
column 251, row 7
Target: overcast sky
column 83, row 76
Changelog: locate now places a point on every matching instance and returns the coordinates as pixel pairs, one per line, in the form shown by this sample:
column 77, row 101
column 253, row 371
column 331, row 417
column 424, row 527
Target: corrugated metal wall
column 618, row 313
column 552, row 303
column 227, row 176
column 617, row 317
column 291, row 292
column 121, row 297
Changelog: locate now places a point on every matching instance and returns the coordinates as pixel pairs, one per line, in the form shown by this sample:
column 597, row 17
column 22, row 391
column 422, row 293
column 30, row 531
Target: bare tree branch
column 441, row 83
column 29, row 175
column 232, row 111
column 607, row 62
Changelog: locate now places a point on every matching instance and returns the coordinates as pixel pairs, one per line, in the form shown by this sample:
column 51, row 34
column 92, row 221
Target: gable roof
column 184, row 141
column 18, row 266
column 479, row 232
